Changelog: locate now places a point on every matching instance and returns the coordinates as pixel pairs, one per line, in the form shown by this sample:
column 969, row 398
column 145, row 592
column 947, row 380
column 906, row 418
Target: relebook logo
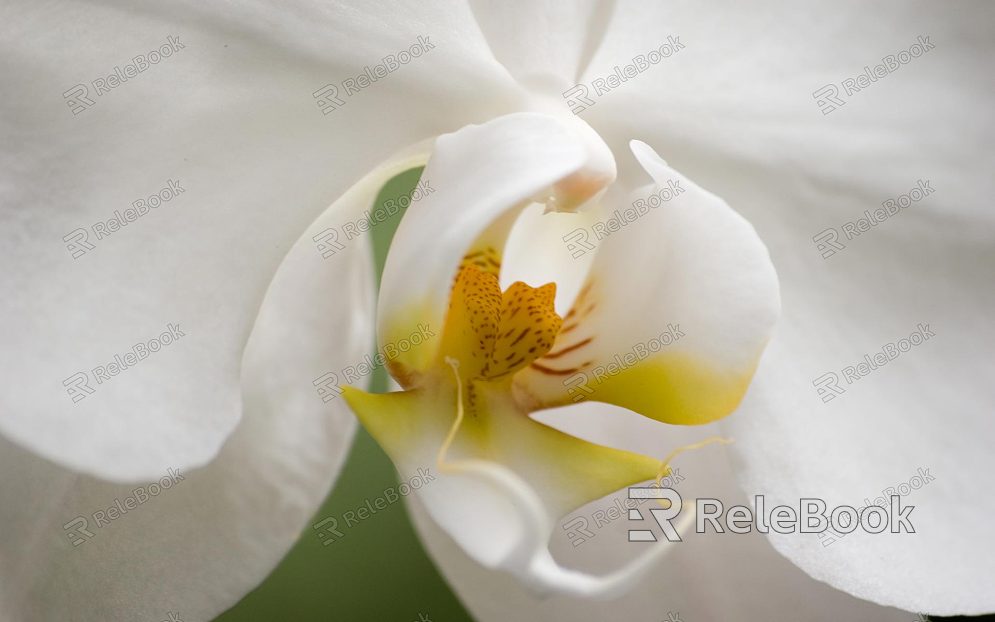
column 80, row 96
column 78, row 386
column 809, row 517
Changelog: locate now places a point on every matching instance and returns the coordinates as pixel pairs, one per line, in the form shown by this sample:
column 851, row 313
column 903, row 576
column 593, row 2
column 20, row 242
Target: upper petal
column 228, row 126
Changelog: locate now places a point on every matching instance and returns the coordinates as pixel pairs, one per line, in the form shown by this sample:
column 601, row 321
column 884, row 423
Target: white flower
column 702, row 282
column 227, row 273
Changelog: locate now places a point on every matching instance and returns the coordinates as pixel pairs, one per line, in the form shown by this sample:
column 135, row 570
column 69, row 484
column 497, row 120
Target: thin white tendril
column 665, row 463
column 440, row 459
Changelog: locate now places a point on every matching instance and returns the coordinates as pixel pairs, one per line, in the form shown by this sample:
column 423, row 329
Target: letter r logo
column 662, row 516
column 577, row 98
column 77, row 386
column 577, row 242
column 77, row 98
column 577, row 530
column 328, row 98
column 79, row 533
column 77, row 243
column 827, row 242
column 577, row 386
column 327, row 386
column 327, row 242
column 329, row 531
column 827, row 386
column 828, row 98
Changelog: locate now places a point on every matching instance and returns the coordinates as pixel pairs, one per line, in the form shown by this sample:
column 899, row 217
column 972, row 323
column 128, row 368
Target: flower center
column 493, row 334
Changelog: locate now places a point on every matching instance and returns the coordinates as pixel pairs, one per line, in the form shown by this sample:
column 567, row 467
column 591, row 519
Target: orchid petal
column 545, row 44
column 504, row 482
column 90, row 549
column 705, row 577
column 891, row 419
column 746, row 123
column 707, row 299
column 227, row 124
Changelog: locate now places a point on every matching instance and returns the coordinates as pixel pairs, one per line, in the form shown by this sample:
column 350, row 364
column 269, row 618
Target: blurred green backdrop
column 378, row 571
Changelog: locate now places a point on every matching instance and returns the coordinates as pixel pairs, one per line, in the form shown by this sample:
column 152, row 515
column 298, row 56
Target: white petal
column 706, row 577
column 231, row 117
column 537, row 254
column 683, row 294
column 545, row 44
column 501, row 508
column 478, row 174
column 738, row 113
column 928, row 408
column 729, row 96
column 200, row 545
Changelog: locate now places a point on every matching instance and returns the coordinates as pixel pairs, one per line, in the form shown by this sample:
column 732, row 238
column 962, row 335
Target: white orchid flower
column 167, row 311
column 503, row 351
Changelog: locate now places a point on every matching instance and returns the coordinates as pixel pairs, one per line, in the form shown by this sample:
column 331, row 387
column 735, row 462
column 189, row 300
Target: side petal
column 675, row 313
column 750, row 123
column 76, row 547
column 840, row 412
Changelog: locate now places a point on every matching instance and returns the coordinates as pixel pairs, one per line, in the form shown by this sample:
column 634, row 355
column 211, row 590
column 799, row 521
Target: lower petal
column 706, row 577
column 504, row 481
